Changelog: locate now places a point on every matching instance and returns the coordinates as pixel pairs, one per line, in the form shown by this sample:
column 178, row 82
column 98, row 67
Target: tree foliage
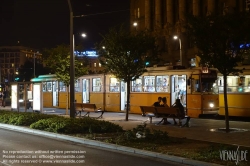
column 58, row 60
column 222, row 41
column 127, row 54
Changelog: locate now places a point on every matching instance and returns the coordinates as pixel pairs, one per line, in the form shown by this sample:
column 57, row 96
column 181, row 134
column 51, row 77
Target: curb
column 107, row 145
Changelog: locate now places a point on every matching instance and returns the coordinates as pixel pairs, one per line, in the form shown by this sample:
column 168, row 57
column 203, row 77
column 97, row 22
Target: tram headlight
column 211, row 104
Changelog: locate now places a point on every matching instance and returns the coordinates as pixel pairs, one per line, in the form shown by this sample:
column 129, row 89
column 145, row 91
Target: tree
column 58, row 60
column 126, row 54
column 221, row 41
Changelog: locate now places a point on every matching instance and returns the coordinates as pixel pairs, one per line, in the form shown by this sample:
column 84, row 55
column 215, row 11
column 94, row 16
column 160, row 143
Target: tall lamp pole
column 72, row 65
column 176, row 37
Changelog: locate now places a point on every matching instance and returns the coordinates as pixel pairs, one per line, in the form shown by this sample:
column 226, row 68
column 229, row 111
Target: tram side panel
column 47, row 99
column 238, row 104
column 112, row 102
column 63, row 99
column 78, row 97
column 97, row 99
column 238, row 93
column 194, row 105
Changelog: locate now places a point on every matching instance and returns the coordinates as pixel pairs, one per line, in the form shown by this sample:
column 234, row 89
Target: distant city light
column 85, row 53
column 245, row 45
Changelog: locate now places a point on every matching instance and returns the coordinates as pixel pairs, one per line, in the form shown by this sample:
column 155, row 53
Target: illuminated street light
column 135, row 24
column 84, row 35
column 176, row 37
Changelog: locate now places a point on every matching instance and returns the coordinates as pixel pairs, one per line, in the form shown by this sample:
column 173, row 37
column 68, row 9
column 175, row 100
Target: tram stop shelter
column 26, row 96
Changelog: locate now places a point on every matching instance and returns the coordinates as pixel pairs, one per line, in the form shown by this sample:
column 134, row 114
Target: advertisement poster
column 14, row 96
column 36, row 97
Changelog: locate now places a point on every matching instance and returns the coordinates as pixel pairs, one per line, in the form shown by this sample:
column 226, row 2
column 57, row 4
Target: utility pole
column 72, row 65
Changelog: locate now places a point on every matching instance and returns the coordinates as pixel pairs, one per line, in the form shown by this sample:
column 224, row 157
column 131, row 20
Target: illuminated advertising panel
column 37, row 97
column 14, row 96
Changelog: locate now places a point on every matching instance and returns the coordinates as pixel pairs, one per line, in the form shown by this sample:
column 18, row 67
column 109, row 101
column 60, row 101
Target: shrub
column 21, row 118
column 71, row 126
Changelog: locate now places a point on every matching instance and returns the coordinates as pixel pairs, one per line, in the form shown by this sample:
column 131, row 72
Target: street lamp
column 72, row 65
column 176, row 37
column 84, row 35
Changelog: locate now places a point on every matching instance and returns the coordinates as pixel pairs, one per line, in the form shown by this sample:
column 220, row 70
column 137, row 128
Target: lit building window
column 100, row 65
column 94, row 64
column 12, row 65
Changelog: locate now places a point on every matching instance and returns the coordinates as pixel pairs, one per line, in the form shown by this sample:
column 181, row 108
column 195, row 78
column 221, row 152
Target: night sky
column 45, row 23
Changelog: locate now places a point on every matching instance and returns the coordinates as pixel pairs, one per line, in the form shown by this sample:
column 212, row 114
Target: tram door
column 178, row 89
column 55, row 93
column 85, row 90
column 123, row 96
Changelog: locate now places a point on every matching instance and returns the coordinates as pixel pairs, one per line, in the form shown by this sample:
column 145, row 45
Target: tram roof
column 44, row 78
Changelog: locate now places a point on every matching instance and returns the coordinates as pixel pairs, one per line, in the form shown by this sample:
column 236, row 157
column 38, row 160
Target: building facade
column 164, row 18
column 12, row 57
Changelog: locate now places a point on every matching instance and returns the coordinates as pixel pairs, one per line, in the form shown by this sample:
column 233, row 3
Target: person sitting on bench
column 181, row 114
column 157, row 103
column 164, row 100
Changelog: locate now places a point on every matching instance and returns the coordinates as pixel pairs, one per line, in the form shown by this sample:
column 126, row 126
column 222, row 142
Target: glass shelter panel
column 137, row 85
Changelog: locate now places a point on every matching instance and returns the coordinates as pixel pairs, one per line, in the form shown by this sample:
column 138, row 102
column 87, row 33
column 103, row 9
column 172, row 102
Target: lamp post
column 176, row 37
column 72, row 64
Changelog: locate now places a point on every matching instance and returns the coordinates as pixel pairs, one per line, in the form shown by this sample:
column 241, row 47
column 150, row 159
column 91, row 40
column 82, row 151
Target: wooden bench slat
column 87, row 108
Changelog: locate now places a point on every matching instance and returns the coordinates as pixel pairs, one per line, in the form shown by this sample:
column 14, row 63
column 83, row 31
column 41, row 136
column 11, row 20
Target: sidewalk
column 200, row 129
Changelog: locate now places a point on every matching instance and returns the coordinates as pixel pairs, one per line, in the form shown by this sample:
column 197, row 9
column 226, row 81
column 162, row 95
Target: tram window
column 77, row 87
column 62, row 87
column 149, row 84
column 137, row 85
column 235, row 84
column 162, row 83
column 97, row 85
column 49, row 86
column 114, row 85
column 44, row 87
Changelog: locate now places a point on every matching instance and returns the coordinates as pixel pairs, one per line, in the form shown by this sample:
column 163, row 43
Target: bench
column 87, row 108
column 148, row 111
column 163, row 112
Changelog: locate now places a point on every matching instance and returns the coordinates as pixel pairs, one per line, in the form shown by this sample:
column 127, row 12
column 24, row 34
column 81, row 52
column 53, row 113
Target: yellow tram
column 197, row 89
column 238, row 93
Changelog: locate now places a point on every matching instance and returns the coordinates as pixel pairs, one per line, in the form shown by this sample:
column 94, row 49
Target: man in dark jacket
column 158, row 103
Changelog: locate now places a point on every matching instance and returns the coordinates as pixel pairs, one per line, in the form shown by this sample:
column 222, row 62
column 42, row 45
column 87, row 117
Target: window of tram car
column 149, row 84
column 137, row 85
column 44, row 87
column 203, row 85
column 162, row 83
column 62, row 87
column 235, row 84
column 114, row 85
column 97, row 85
column 77, row 87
